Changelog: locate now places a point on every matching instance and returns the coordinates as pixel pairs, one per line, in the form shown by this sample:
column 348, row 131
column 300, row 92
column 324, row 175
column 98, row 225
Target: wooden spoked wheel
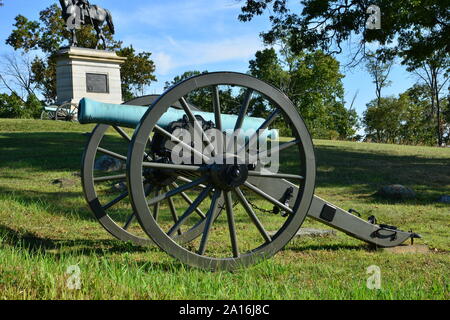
column 48, row 115
column 250, row 229
column 105, row 187
column 67, row 112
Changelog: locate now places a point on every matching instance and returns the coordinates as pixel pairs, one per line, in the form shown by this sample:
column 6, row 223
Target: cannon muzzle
column 91, row 111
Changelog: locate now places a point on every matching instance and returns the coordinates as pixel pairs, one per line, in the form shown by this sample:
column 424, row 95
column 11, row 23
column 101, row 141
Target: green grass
column 45, row 228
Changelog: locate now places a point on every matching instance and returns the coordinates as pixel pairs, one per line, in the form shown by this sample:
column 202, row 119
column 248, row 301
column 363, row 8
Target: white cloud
column 170, row 53
column 160, row 14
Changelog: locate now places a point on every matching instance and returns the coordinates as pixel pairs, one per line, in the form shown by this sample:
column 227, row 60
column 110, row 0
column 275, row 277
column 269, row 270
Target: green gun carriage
column 223, row 211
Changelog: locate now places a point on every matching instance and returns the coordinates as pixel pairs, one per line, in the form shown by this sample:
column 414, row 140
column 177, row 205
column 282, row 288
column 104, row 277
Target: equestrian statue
column 77, row 13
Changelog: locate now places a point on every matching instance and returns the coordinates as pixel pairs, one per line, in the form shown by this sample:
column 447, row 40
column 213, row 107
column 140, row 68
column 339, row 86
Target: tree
column 137, row 72
column 413, row 29
column 434, row 72
column 382, row 120
column 182, row 77
column 379, row 70
column 49, row 34
column 314, row 84
column 13, row 106
column 404, row 119
column 17, row 74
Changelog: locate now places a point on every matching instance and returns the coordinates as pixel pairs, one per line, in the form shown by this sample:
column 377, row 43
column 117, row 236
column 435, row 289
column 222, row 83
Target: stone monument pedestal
column 90, row 73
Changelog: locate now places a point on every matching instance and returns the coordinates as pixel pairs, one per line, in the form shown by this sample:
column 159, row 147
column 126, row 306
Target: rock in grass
column 65, row 182
column 444, row 199
column 108, row 164
column 121, row 186
column 396, row 192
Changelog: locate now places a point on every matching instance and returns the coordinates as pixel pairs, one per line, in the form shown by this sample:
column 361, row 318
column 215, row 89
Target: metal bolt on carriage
column 216, row 215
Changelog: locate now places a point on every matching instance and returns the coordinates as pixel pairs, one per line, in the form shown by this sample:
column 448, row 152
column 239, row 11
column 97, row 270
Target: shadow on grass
column 329, row 247
column 47, row 151
column 364, row 172
column 38, row 245
column 56, row 203
column 56, row 248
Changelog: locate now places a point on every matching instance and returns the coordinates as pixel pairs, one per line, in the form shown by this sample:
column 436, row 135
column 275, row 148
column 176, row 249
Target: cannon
column 67, row 111
column 235, row 204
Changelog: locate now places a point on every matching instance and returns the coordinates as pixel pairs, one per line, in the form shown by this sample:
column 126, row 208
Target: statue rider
column 83, row 5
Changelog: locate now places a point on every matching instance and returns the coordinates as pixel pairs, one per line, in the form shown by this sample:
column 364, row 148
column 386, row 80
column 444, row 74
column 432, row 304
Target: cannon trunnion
column 239, row 196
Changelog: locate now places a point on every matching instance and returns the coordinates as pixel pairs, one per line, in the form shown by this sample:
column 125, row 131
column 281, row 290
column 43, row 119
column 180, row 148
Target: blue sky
column 197, row 35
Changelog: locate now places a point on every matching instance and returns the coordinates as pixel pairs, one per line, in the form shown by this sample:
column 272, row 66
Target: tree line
column 414, row 33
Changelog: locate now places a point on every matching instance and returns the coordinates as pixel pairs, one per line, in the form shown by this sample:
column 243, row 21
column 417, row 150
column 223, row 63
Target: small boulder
column 396, row 192
column 121, row 186
column 444, row 199
column 108, row 164
column 65, row 182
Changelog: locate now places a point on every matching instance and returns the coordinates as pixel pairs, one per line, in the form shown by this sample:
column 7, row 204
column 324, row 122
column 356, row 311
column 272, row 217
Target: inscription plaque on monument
column 97, row 83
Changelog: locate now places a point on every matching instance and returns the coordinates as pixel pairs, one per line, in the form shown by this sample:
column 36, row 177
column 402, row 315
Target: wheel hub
column 229, row 176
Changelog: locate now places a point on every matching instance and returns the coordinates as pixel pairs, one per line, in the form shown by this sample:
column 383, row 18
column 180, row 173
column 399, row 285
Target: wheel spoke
column 112, row 154
column 189, row 211
column 275, row 175
column 184, row 179
column 108, row 178
column 168, row 166
column 129, row 221
column 216, row 107
column 268, row 197
column 122, row 133
column 156, row 206
column 197, row 125
column 231, row 224
column 209, row 221
column 252, row 215
column 115, row 201
column 243, row 110
column 185, row 145
column 173, row 210
column 278, row 148
column 189, row 201
column 176, row 191
column 261, row 129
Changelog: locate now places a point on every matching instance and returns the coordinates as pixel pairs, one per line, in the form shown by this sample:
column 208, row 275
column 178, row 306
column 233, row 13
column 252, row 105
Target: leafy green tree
column 314, row 84
column 202, row 98
column 405, row 119
column 413, row 29
column 382, row 120
column 137, row 72
column 12, row 106
column 186, row 75
column 434, row 72
column 379, row 70
column 48, row 34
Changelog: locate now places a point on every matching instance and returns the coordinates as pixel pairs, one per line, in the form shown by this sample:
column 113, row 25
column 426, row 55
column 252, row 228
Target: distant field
column 45, row 228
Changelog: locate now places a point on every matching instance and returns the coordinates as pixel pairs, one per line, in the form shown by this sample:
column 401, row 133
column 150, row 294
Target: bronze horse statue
column 79, row 12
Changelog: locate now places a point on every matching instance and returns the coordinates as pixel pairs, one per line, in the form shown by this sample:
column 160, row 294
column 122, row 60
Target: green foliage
column 314, row 84
column 49, row 34
column 46, row 228
column 413, row 29
column 137, row 71
column 405, row 120
column 12, row 106
column 202, row 98
column 182, row 77
column 44, row 75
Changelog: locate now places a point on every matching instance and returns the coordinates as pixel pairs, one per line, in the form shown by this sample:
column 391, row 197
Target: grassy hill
column 47, row 227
